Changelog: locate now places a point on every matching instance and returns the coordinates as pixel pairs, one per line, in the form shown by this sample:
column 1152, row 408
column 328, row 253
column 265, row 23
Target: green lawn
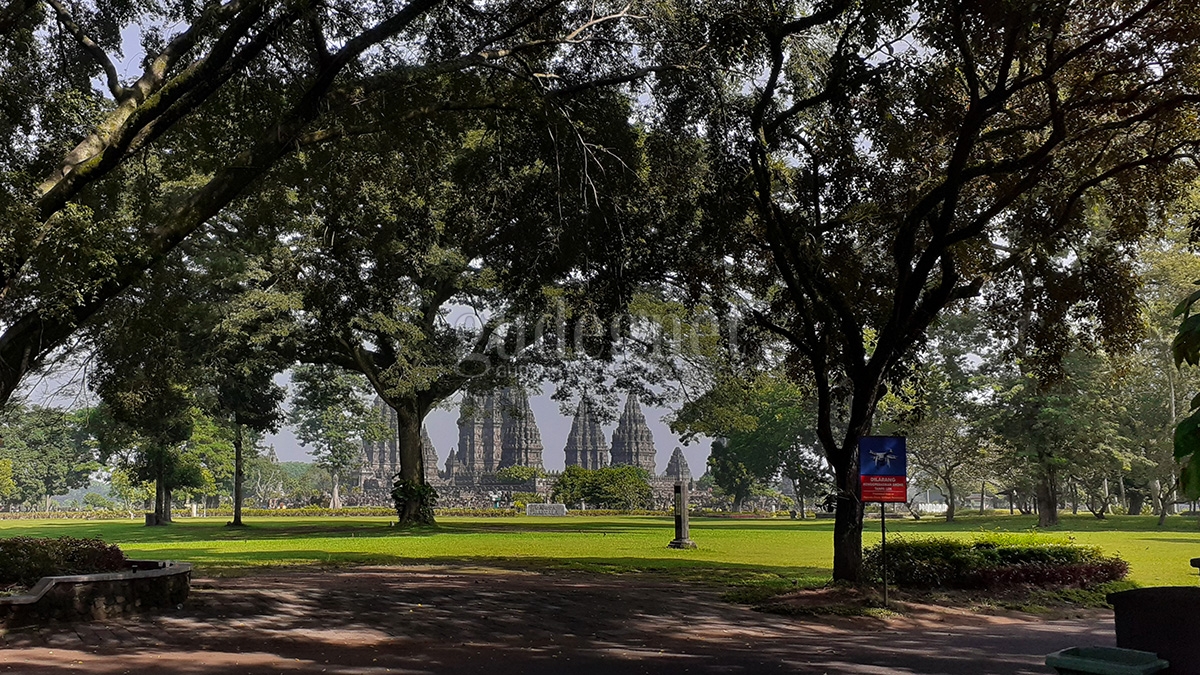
column 728, row 548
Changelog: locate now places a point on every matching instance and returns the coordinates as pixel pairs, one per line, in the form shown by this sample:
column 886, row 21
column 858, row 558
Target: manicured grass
column 799, row 551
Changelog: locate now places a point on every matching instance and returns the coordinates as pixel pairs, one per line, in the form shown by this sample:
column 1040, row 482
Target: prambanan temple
column 498, row 430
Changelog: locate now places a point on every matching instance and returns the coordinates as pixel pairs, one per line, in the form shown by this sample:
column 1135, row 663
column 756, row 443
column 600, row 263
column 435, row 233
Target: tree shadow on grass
column 210, row 561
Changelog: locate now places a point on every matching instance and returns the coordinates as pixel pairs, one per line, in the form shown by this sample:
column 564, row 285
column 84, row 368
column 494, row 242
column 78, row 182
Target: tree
column 457, row 215
column 265, row 481
column 610, row 487
column 244, row 355
column 46, row 457
column 217, row 107
column 8, row 487
column 729, row 474
column 946, row 430
column 885, row 162
column 520, row 474
column 332, row 416
column 809, row 475
column 133, row 494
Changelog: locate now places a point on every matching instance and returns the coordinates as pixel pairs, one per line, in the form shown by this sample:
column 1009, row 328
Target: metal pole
column 883, row 551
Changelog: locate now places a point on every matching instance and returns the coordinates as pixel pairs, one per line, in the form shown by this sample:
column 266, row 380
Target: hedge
column 990, row 563
column 24, row 560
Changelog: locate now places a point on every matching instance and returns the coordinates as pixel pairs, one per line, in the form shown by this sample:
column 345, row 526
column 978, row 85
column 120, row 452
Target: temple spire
column 521, row 441
column 586, row 446
column 632, row 442
column 677, row 468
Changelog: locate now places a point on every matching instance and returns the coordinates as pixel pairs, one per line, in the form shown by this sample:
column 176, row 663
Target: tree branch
column 89, row 45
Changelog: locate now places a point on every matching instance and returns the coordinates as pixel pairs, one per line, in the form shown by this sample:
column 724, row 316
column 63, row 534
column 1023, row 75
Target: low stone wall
column 146, row 584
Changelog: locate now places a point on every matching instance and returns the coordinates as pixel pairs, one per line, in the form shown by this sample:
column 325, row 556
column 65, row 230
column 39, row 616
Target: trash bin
column 1164, row 620
column 1105, row 661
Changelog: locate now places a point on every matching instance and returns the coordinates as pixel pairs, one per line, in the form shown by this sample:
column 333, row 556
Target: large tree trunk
column 847, row 526
column 847, row 538
column 239, row 475
column 1136, row 501
column 417, row 510
column 950, row 506
column 1047, row 501
column 166, row 508
column 158, row 498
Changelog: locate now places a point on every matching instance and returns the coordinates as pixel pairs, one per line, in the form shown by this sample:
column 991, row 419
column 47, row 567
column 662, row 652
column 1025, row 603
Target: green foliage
column 729, row 473
column 331, row 415
column 520, row 499
column 8, row 486
column 520, row 474
column 990, row 562
column 1186, row 348
column 24, row 560
column 44, row 449
column 612, row 487
column 405, row 492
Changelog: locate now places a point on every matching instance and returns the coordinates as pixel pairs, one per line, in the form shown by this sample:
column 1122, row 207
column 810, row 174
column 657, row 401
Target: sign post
column 883, row 477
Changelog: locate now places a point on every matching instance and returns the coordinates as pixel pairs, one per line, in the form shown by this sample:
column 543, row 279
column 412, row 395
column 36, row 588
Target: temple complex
column 632, row 442
column 498, row 430
column 586, row 446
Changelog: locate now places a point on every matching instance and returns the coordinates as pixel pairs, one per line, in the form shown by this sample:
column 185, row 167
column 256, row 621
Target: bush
column 24, row 560
column 990, row 563
column 520, row 474
column 520, row 499
column 611, row 487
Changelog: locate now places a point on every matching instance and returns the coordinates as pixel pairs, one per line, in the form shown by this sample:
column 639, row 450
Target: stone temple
column 498, row 430
column 632, row 443
column 586, row 446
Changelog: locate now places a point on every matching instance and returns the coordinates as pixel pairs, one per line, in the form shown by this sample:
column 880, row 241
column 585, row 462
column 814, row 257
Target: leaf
column 1186, row 345
column 1186, row 304
column 1189, row 479
column 1187, row 437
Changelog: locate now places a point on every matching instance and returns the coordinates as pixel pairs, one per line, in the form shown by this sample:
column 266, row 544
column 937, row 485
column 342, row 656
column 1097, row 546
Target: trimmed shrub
column 990, row 563
column 520, row 499
column 24, row 560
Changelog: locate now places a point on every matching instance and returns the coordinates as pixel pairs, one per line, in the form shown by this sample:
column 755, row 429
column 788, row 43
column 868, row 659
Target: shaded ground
column 473, row 620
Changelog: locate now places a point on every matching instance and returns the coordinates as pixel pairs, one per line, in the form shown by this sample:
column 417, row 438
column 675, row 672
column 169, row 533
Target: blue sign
column 882, row 456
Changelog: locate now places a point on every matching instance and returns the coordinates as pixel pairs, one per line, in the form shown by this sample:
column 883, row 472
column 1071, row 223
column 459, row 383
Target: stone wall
column 146, row 585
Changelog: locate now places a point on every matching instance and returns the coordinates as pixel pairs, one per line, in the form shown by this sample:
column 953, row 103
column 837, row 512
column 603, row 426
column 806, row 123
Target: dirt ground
column 469, row 620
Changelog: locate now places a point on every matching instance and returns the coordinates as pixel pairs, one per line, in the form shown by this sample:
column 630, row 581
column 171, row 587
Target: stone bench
column 143, row 585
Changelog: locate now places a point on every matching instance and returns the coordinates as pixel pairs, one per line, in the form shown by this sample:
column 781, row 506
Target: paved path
column 458, row 620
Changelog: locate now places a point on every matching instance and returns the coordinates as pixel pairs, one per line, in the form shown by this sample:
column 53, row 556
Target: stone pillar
column 682, row 535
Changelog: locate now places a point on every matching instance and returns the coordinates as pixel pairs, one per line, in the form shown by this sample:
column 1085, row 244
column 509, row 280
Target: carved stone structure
column 498, row 430
column 586, row 446
column 520, row 439
column 632, row 442
column 429, row 458
column 478, row 437
column 677, row 468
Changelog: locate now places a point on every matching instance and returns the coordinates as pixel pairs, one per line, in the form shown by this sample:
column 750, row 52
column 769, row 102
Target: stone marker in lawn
column 682, row 535
column 545, row 509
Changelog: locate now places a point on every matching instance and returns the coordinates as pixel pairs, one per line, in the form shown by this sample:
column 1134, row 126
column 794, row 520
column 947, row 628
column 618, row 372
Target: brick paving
column 460, row 620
